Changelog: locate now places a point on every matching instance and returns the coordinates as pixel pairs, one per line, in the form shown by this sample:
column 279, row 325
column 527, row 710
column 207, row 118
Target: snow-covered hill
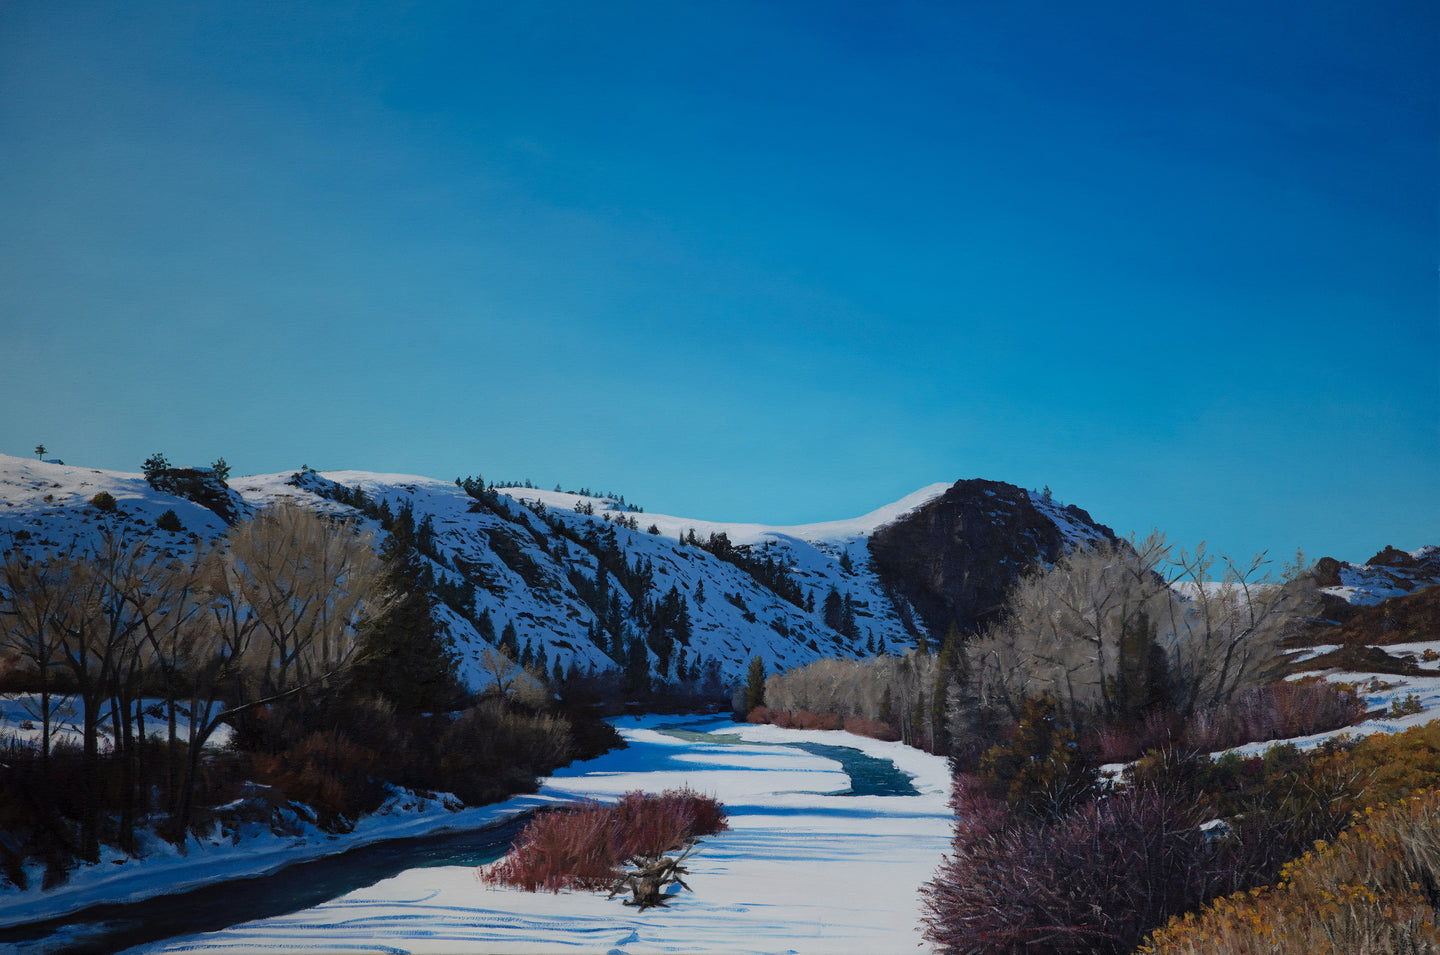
column 523, row 552
column 531, row 560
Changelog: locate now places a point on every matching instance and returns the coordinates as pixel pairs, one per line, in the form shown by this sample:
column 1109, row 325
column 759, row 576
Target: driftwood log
column 647, row 876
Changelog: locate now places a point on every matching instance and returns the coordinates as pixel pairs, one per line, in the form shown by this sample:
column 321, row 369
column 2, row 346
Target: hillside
column 1346, row 586
column 705, row 596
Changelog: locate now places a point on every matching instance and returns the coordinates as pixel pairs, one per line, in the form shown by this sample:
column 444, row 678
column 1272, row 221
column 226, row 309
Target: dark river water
column 869, row 775
column 111, row 927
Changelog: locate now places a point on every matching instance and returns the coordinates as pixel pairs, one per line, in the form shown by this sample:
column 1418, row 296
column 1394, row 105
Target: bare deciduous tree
column 30, row 594
column 1099, row 629
column 307, row 582
column 1228, row 632
column 504, row 677
column 1064, row 632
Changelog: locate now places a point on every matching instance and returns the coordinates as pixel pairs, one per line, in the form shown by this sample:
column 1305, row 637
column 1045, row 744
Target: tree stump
column 647, row 878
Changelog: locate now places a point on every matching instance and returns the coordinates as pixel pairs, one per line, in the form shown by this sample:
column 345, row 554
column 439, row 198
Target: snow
column 800, row 870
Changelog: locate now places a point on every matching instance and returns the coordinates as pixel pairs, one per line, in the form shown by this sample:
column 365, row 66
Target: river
column 385, row 897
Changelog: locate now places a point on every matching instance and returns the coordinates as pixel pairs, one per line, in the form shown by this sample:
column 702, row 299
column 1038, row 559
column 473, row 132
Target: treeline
column 1128, row 655
column 317, row 655
column 475, row 486
column 768, row 571
column 269, row 613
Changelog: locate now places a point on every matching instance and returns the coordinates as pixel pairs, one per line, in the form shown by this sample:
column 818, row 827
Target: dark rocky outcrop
column 1410, row 618
column 204, row 487
column 956, row 558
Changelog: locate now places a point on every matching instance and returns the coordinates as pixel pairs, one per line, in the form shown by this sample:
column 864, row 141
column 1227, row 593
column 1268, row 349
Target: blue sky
column 779, row 262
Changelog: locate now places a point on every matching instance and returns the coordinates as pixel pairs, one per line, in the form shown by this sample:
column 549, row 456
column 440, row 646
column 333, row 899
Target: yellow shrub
column 1389, row 767
column 1365, row 892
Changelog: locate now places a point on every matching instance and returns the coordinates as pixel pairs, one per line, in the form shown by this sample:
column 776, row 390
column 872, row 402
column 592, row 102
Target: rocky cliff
column 956, row 557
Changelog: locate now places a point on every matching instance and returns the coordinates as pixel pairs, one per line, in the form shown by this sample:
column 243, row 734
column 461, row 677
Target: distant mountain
column 699, row 593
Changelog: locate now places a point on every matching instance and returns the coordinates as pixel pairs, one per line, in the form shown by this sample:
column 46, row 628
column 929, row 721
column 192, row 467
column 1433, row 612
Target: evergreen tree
column 1142, row 678
column 154, row 465
column 1042, row 770
column 636, row 679
column 834, row 612
column 510, row 641
column 847, row 617
column 940, row 692
column 755, row 684
column 403, row 655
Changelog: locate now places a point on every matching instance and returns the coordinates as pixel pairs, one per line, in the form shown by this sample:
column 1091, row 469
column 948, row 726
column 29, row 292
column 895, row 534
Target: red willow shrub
column 1276, row 711
column 808, row 720
column 584, row 846
column 875, row 729
column 1095, row 880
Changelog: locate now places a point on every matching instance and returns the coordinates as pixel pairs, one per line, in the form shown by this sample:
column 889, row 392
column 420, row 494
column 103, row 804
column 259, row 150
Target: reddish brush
column 583, row 846
column 1093, row 881
column 1277, row 711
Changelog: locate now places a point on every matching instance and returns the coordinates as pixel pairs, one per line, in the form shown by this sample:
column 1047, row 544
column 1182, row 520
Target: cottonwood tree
column 281, row 602
column 268, row 614
column 30, row 594
column 503, row 677
column 308, row 581
column 96, row 625
column 1080, row 631
column 1227, row 632
column 1115, row 628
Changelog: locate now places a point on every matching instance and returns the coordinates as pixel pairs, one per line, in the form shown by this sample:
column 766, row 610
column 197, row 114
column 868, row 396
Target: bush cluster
column 1029, row 873
column 584, row 846
column 807, row 720
column 337, row 758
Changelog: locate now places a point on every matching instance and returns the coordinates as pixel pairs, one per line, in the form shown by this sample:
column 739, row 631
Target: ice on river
column 800, row 870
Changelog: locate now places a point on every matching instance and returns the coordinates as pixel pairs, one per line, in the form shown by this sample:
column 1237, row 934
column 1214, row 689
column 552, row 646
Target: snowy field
column 800, row 869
